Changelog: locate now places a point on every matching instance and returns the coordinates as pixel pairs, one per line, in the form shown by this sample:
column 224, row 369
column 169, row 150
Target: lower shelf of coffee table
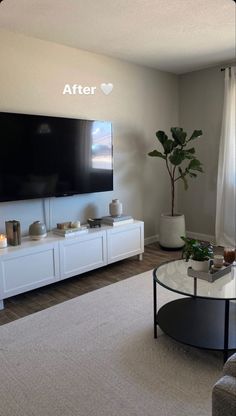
column 198, row 322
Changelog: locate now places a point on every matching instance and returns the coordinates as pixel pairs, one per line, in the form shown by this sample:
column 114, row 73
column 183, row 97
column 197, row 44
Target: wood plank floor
column 42, row 298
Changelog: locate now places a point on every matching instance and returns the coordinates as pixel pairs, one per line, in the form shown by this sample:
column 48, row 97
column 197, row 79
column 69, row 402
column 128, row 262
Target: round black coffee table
column 205, row 317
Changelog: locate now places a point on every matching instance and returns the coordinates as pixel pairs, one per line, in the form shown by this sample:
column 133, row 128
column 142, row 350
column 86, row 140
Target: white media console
column 38, row 263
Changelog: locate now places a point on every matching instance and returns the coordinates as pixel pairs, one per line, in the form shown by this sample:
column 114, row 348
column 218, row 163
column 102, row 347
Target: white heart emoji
column 106, row 88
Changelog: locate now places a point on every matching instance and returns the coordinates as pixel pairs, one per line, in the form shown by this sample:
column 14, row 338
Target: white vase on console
column 115, row 208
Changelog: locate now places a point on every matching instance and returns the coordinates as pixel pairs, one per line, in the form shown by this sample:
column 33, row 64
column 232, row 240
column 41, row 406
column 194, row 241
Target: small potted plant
column 198, row 252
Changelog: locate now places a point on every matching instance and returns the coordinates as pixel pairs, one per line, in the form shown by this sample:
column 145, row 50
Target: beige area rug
column 95, row 355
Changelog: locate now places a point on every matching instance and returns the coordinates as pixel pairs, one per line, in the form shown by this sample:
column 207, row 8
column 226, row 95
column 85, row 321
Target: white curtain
column 226, row 180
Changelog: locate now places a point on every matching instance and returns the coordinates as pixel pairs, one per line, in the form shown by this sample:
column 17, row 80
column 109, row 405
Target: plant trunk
column 172, row 197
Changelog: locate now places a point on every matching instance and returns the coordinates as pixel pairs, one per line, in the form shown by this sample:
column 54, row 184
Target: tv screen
column 43, row 156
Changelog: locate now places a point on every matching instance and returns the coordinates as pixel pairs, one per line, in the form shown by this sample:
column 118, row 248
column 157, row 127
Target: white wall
column 201, row 106
column 32, row 77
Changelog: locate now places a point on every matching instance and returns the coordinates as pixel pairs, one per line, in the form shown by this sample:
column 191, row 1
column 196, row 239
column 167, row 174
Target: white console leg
column 140, row 257
column 1, row 304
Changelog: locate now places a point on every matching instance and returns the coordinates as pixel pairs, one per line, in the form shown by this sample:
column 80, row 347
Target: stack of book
column 116, row 221
column 70, row 232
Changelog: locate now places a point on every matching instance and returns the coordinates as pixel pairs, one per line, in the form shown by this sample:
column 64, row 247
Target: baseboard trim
column 190, row 234
column 199, row 236
column 152, row 239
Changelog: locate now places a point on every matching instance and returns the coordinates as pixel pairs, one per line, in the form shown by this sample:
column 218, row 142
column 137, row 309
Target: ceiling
column 178, row 36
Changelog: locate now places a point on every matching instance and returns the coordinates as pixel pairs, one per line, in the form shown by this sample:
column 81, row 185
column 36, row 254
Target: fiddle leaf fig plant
column 177, row 151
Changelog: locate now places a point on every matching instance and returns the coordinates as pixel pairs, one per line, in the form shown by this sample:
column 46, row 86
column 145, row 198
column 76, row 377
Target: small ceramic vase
column 115, row 208
column 37, row 230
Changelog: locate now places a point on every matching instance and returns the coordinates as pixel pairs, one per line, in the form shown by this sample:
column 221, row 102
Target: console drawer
column 21, row 271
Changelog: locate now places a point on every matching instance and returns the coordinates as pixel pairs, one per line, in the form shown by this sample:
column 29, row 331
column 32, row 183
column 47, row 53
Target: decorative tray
column 212, row 275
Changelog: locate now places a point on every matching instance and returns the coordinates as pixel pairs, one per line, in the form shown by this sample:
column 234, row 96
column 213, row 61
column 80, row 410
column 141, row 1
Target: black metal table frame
column 194, row 295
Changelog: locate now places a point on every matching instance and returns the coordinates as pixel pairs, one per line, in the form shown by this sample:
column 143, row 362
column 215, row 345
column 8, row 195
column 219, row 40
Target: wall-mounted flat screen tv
column 44, row 156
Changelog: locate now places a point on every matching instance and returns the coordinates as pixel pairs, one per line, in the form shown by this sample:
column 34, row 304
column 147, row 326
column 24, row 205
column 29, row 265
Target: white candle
column 218, row 261
column 3, row 241
column 75, row 224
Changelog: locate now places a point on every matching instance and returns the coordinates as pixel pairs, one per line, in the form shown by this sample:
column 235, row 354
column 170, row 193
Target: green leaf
column 155, row 153
column 196, row 134
column 189, row 241
column 178, row 135
column 188, row 155
column 185, row 182
column 168, row 146
column 162, row 137
column 191, row 150
column 195, row 164
column 177, row 157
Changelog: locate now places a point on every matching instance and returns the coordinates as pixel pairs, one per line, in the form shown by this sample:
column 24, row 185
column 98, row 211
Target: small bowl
column 37, row 230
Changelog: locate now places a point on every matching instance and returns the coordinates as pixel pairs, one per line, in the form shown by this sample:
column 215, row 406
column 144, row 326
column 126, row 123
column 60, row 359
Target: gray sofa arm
column 224, row 397
column 230, row 366
column 224, row 391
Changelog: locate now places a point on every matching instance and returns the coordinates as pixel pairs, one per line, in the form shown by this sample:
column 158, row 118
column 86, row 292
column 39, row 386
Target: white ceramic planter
column 200, row 266
column 171, row 230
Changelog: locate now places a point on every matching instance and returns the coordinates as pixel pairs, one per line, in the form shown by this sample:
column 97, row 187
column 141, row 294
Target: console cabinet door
column 79, row 255
column 125, row 241
column 28, row 269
